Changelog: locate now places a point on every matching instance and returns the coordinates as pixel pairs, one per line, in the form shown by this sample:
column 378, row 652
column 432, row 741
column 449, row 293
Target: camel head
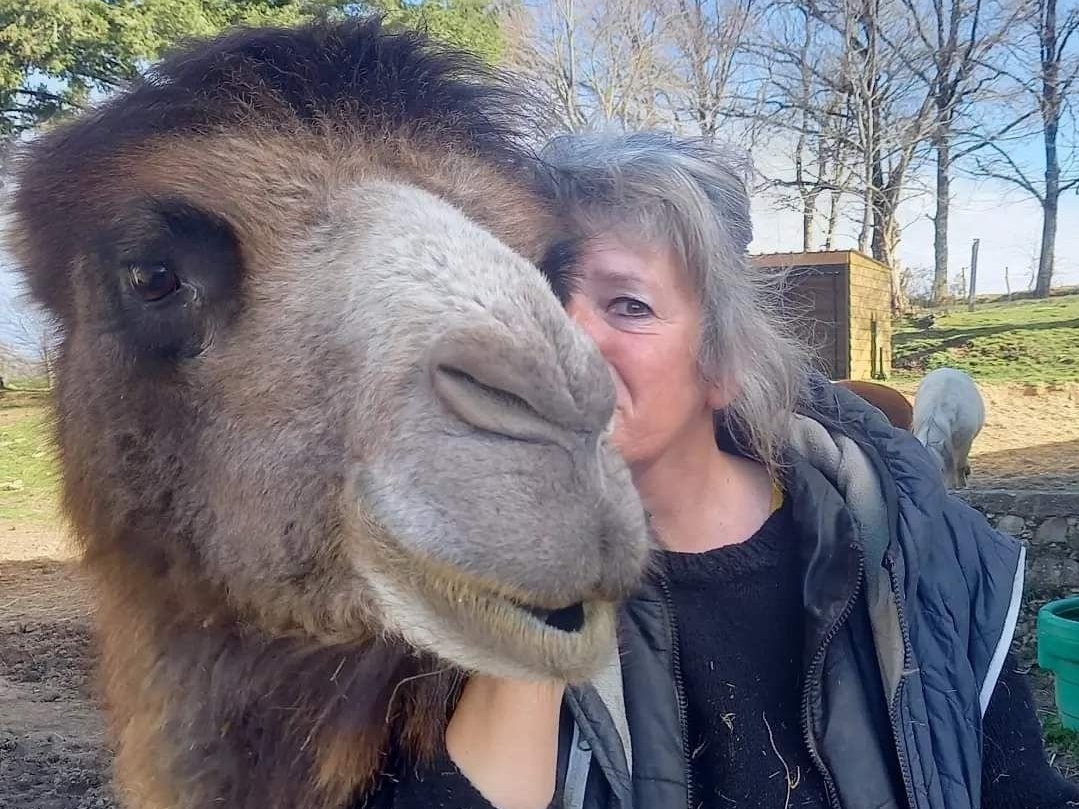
column 310, row 380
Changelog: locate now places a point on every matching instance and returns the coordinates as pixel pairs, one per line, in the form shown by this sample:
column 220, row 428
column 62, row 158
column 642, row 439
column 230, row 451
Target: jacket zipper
column 814, row 675
column 893, row 709
column 676, row 661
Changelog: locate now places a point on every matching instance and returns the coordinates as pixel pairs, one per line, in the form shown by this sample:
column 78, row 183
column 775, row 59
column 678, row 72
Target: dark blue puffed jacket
column 911, row 603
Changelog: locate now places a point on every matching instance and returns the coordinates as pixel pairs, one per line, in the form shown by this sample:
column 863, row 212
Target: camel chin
column 489, row 631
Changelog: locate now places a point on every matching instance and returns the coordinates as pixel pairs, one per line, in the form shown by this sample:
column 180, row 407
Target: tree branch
column 1018, row 176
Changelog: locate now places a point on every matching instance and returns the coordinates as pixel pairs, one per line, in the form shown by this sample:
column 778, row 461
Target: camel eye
column 153, row 282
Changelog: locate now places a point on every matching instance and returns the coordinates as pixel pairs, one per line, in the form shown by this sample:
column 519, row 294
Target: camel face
column 483, row 409
column 311, row 379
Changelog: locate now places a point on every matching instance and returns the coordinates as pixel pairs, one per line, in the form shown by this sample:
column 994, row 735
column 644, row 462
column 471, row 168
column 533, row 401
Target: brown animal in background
column 328, row 438
column 888, row 400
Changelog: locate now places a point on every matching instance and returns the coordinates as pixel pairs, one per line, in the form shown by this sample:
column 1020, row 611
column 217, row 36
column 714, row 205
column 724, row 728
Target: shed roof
column 814, row 258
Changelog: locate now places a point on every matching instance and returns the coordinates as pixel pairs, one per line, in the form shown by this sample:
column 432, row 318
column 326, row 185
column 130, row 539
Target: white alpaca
column 948, row 415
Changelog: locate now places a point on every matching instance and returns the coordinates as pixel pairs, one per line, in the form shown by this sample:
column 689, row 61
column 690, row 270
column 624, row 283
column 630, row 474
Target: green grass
column 28, row 476
column 27, row 383
column 1021, row 341
column 1062, row 742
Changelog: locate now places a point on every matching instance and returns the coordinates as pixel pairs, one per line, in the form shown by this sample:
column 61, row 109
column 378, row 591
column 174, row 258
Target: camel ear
column 40, row 234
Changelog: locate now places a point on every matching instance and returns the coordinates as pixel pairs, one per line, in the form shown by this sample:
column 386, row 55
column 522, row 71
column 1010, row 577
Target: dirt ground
column 52, row 751
column 52, row 746
column 1030, row 439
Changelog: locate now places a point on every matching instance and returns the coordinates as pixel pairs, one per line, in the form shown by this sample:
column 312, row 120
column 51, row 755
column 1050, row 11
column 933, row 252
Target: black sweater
column 739, row 617
column 739, row 612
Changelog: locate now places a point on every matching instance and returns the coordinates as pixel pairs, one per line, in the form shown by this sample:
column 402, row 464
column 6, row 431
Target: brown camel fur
column 889, row 401
column 328, row 440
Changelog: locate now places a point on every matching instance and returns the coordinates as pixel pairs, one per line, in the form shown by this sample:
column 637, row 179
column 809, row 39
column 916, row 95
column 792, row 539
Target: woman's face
column 636, row 303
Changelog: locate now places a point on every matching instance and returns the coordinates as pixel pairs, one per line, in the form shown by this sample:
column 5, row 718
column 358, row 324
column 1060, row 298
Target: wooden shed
column 842, row 301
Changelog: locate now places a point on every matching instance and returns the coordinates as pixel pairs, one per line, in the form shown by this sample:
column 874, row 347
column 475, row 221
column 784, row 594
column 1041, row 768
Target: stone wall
column 1048, row 522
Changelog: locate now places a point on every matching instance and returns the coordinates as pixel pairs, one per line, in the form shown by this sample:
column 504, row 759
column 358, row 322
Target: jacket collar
column 845, row 510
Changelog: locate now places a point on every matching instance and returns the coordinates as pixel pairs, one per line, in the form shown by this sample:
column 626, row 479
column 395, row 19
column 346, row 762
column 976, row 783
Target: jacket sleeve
column 1015, row 771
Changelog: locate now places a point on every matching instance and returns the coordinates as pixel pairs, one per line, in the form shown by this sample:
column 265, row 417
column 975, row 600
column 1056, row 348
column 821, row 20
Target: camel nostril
column 567, row 619
column 502, row 389
column 455, row 381
column 570, row 619
column 489, row 408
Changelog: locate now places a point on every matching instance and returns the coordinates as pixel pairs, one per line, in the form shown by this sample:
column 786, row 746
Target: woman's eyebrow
column 621, row 277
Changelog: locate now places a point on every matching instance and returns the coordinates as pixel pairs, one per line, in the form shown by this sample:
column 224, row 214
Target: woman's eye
column 630, row 307
column 153, row 282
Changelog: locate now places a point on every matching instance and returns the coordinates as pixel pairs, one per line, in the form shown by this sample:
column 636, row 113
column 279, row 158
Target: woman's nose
column 584, row 314
column 594, row 326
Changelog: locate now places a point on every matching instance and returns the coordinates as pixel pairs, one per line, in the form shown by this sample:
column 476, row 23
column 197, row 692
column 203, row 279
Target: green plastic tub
column 1058, row 652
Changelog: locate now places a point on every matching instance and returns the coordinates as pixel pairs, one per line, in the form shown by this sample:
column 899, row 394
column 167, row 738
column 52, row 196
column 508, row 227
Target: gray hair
column 693, row 196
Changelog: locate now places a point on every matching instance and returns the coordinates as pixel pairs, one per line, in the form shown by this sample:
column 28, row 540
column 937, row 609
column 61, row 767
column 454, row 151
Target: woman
column 827, row 627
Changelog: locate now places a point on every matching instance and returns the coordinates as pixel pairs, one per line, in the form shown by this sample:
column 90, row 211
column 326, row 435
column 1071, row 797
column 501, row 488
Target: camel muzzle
column 494, row 385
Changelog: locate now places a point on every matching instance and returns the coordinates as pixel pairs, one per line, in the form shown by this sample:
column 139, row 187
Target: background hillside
column 1035, row 341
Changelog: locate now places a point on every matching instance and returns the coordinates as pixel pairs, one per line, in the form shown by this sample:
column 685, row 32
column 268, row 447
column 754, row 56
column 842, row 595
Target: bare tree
column 917, row 283
column 880, row 86
column 30, row 339
column 956, row 39
column 895, row 123
column 1043, row 68
column 1032, row 268
column 706, row 41
column 842, row 179
column 627, row 74
column 598, row 61
column 541, row 45
column 803, row 108
column 860, row 93
column 891, row 118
